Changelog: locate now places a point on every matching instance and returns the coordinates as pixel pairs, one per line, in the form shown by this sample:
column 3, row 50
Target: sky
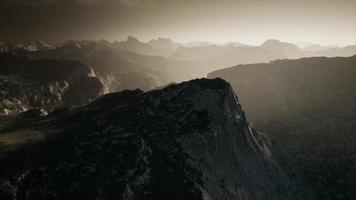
column 326, row 22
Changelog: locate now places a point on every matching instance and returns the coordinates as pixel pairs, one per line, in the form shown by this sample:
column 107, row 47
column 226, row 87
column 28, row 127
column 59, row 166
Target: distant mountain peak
column 288, row 49
column 277, row 43
column 132, row 39
column 163, row 43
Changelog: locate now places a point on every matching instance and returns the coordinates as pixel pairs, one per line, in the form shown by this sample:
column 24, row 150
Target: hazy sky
column 247, row 21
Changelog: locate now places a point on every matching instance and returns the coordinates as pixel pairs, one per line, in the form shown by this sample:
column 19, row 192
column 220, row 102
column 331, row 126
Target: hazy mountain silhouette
column 288, row 50
column 317, row 47
column 199, row 53
column 117, row 68
column 342, row 51
column 134, row 45
column 186, row 61
column 308, row 106
column 163, row 44
column 157, row 47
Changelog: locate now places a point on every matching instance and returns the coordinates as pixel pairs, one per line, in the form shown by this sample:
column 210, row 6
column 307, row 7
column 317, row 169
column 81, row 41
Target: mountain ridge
column 186, row 141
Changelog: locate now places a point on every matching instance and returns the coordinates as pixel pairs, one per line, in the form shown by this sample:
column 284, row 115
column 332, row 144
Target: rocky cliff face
column 186, row 141
column 44, row 84
column 308, row 106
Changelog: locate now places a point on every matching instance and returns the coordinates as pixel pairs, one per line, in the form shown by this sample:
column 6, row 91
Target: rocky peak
column 132, row 39
column 186, row 141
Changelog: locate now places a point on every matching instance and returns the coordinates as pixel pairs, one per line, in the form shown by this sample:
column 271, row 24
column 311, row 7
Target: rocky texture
column 308, row 106
column 44, row 84
column 186, row 141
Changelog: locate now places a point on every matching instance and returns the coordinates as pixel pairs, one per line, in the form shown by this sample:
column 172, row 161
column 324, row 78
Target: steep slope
column 308, row 106
column 44, row 84
column 186, row 141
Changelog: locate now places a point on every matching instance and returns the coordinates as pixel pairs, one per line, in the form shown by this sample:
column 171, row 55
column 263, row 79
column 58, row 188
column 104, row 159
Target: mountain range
column 186, row 61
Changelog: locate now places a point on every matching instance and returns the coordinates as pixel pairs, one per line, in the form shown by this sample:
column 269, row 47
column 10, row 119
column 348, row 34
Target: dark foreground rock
column 186, row 141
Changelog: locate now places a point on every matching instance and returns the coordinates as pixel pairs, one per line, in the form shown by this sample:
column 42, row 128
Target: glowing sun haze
column 248, row 21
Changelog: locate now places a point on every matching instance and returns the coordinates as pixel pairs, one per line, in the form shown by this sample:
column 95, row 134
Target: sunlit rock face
column 44, row 84
column 186, row 141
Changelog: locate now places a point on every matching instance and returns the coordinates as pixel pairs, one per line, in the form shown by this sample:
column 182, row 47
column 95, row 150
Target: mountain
column 332, row 52
column 155, row 47
column 199, row 53
column 163, row 44
column 161, row 61
column 120, row 69
column 317, row 47
column 198, row 44
column 303, row 45
column 214, row 57
column 243, row 55
column 289, row 50
column 132, row 44
column 223, row 54
column 44, row 84
column 117, row 68
column 308, row 107
column 232, row 44
column 210, row 58
column 186, row 141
